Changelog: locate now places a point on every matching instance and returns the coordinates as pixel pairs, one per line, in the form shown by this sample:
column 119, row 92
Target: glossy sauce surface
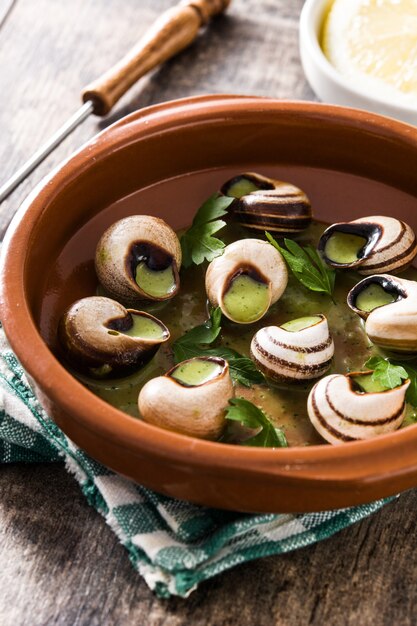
column 286, row 404
column 335, row 196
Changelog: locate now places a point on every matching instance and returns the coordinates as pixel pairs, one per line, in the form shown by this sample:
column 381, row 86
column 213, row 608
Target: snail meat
column 267, row 204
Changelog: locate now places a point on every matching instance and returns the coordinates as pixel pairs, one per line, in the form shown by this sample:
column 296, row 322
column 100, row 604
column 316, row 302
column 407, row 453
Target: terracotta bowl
column 165, row 160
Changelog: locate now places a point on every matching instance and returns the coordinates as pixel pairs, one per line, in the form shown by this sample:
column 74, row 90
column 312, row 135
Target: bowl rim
column 320, row 462
column 309, row 38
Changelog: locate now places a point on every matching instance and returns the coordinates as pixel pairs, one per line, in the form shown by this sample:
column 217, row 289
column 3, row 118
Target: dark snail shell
column 341, row 413
column 384, row 244
column 267, row 204
column 196, row 410
column 137, row 241
column 93, row 333
column 391, row 317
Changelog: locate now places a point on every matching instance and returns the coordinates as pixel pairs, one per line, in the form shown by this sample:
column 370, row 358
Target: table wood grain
column 59, row 562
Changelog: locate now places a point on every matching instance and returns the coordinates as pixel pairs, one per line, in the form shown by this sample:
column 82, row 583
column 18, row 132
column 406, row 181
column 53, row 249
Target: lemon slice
column 374, row 44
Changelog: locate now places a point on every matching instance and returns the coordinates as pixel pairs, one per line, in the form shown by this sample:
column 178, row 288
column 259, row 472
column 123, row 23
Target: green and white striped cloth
column 174, row 545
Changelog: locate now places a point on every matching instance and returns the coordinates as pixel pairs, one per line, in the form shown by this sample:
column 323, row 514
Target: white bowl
column 328, row 84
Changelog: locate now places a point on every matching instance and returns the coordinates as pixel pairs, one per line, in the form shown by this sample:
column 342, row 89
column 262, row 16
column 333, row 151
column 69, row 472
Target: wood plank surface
column 59, row 562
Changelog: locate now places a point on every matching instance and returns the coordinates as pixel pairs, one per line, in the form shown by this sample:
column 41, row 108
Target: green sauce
column 344, row 247
column 368, row 385
column 372, row 297
column 155, row 283
column 241, row 188
column 247, row 299
column 196, row 372
column 300, row 323
column 286, row 405
column 145, row 327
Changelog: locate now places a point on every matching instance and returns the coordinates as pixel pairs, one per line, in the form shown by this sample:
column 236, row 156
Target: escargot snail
column 266, row 204
column 389, row 306
column 138, row 258
column 342, row 409
column 190, row 399
column 249, row 277
column 371, row 245
column 298, row 350
column 102, row 338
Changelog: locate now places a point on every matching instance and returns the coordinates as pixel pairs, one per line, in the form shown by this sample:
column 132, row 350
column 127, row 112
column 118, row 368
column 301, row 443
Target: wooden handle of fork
column 173, row 31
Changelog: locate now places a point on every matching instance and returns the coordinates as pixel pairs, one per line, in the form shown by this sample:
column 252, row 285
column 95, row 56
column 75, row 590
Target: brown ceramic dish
column 350, row 163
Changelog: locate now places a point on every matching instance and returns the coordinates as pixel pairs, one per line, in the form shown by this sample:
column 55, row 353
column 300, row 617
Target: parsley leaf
column 204, row 334
column 307, row 265
column 249, row 415
column 198, row 243
column 196, row 341
column 243, row 371
column 386, row 373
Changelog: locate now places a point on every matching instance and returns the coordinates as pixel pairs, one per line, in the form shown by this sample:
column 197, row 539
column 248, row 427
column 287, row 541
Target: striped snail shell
column 341, row 411
column 267, row 204
column 299, row 350
column 371, row 245
column 389, row 306
column 244, row 282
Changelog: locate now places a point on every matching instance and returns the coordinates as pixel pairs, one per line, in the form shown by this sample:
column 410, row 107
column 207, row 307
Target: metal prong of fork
column 83, row 112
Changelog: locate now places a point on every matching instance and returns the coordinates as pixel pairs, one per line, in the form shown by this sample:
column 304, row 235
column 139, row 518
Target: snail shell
column 288, row 356
column 340, row 413
column 94, row 334
column 139, row 243
column 250, row 263
column 371, row 245
column 389, row 306
column 267, row 204
column 197, row 410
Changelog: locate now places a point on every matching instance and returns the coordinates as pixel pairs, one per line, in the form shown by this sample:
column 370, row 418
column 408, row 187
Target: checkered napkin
column 174, row 545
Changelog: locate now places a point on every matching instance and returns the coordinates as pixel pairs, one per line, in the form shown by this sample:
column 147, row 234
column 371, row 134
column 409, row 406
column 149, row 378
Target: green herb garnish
column 251, row 416
column 204, row 334
column 198, row 243
column 196, row 341
column 307, row 265
column 391, row 375
column 385, row 373
column 243, row 371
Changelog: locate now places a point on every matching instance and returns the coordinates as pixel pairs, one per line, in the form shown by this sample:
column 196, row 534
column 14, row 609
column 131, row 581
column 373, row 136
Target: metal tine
column 83, row 112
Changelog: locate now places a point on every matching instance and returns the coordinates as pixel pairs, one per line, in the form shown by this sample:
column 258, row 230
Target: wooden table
column 59, row 562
